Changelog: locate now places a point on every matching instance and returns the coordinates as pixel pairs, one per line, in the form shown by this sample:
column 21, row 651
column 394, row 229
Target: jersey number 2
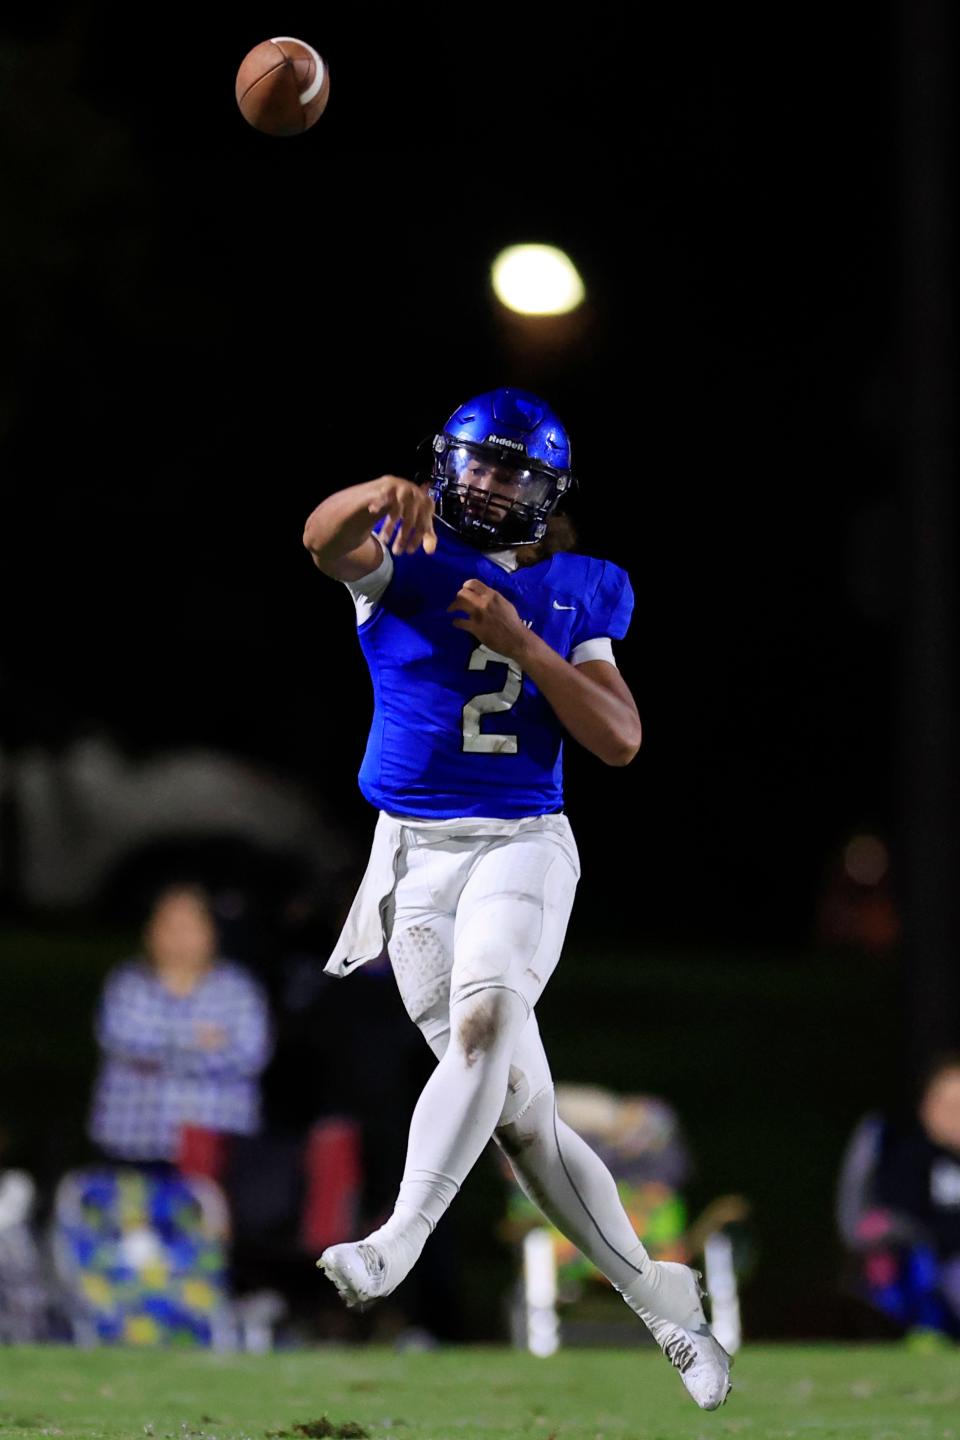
column 474, row 742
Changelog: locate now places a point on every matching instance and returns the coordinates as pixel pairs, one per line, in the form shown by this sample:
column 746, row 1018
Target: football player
column 488, row 640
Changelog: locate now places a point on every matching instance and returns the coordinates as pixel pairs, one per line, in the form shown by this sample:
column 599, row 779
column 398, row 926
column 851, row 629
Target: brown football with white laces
column 282, row 86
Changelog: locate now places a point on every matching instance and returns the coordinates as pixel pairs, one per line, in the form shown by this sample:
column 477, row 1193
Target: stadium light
column 537, row 280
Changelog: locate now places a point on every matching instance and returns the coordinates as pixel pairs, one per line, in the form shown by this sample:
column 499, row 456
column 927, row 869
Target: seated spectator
column 24, row 1298
column 184, row 1036
column 899, row 1209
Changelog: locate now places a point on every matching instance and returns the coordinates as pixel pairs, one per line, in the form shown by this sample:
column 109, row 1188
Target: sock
column 424, row 1196
column 453, row 1121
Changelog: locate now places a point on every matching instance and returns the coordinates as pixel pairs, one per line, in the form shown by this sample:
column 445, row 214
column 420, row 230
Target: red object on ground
column 333, row 1181
column 202, row 1152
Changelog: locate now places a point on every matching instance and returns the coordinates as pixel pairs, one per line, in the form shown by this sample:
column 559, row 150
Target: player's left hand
column 491, row 617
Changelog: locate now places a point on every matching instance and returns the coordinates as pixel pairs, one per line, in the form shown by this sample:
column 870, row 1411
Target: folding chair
column 558, row 1297
column 141, row 1258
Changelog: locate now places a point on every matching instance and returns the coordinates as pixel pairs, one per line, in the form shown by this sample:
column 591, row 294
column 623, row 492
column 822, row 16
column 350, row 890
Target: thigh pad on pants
column 512, row 918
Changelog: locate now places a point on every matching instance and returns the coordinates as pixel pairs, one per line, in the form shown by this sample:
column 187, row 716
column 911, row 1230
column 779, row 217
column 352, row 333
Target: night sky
column 209, row 330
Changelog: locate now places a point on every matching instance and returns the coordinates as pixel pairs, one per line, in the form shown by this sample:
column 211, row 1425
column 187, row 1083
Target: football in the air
column 282, row 86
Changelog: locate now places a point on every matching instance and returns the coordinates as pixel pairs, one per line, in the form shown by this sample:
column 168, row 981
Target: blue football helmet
column 501, row 465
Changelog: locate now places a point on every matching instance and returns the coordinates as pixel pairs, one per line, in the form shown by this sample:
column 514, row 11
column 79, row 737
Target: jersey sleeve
column 608, row 608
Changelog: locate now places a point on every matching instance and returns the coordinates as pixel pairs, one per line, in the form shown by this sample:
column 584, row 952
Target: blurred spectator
column 856, row 908
column 184, row 1036
column 24, row 1286
column 899, row 1209
column 302, row 1072
column 336, row 1118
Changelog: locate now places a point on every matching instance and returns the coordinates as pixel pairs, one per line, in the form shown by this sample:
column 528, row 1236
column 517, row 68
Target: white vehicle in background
column 78, row 819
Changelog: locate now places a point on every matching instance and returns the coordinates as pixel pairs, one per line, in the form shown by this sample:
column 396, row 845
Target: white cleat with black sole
column 700, row 1360
column 359, row 1272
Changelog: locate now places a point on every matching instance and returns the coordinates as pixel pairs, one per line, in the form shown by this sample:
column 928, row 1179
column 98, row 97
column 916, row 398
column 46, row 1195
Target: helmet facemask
column 491, row 496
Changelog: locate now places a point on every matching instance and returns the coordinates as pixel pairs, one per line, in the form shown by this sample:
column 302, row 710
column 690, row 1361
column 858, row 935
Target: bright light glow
column 866, row 859
column 537, row 280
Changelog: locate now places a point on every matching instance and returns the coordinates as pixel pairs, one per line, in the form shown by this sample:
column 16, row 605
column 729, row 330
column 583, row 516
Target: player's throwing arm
column 339, row 532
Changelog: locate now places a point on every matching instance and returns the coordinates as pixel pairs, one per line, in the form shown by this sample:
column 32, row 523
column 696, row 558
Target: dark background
column 208, row 330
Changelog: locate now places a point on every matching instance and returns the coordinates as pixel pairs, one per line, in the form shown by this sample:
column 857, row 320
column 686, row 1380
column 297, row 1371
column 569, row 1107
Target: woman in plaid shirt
column 184, row 1036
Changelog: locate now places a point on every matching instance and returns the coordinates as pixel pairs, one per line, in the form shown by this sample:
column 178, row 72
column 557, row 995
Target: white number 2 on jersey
column 475, row 743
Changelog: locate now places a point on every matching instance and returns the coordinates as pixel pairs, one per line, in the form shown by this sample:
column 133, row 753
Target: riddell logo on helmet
column 500, row 440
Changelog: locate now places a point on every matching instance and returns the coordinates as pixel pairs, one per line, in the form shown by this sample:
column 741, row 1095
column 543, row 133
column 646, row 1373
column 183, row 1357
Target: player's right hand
column 409, row 512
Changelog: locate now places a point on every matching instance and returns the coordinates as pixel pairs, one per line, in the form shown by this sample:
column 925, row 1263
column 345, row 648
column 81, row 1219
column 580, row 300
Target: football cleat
column 358, row 1270
column 700, row 1360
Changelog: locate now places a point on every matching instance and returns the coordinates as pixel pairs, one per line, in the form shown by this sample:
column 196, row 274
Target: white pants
column 472, row 912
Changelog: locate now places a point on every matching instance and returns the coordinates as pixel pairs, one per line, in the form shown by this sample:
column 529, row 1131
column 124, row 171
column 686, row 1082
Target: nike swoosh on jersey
column 558, row 606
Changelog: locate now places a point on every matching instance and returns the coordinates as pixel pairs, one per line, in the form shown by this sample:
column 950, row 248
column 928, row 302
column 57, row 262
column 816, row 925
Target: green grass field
column 810, row 1392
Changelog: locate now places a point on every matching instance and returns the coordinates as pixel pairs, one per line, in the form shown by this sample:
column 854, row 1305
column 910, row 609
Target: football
column 282, row 86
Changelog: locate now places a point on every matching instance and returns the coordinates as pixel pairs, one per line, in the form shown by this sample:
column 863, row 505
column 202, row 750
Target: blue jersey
column 458, row 730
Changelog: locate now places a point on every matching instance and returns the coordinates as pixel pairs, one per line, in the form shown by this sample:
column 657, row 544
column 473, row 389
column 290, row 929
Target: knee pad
column 527, row 1111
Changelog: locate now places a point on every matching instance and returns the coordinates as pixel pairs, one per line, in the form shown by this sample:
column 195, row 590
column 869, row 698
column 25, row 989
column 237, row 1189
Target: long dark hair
column 561, row 535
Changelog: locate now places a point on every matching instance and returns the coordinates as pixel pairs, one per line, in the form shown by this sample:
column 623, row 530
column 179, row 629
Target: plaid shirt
column 155, row 1078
